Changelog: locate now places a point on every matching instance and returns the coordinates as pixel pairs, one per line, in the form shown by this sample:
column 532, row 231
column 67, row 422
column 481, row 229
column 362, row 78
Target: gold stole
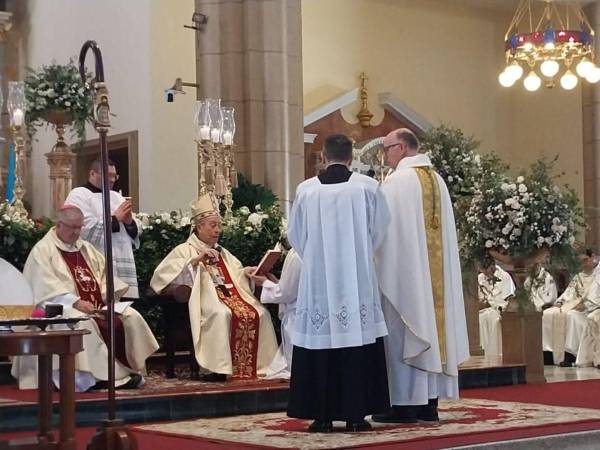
column 433, row 219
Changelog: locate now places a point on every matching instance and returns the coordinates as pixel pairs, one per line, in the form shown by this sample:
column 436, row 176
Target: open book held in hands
column 268, row 261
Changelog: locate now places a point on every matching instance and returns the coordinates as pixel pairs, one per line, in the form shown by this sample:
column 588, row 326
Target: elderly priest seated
column 231, row 330
column 63, row 269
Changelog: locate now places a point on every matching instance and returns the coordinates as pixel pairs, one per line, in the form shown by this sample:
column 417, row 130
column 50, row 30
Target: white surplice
column 543, row 289
column 416, row 372
column 284, row 293
column 15, row 289
column 52, row 283
column 495, row 292
column 338, row 302
column 90, row 204
column 561, row 330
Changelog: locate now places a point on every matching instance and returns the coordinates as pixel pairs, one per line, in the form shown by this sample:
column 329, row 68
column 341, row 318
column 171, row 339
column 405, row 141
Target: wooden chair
column 176, row 328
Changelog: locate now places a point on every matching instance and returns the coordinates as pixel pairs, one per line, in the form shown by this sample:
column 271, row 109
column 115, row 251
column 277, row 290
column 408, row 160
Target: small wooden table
column 65, row 344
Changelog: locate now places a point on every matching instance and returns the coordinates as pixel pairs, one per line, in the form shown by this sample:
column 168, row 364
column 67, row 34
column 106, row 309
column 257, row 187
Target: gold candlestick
column 19, row 187
column 228, row 198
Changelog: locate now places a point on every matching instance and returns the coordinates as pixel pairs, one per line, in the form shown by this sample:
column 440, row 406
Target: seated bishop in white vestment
column 232, row 331
column 496, row 286
column 126, row 230
column 564, row 324
column 63, row 269
column 282, row 292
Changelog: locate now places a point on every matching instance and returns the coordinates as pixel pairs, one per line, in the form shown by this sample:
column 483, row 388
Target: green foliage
column 57, row 87
column 18, row 235
column 250, row 195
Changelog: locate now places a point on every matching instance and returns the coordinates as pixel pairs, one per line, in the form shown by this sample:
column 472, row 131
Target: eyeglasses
column 111, row 176
column 72, row 227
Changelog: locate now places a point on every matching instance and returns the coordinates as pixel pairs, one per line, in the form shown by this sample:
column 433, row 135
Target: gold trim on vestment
column 432, row 214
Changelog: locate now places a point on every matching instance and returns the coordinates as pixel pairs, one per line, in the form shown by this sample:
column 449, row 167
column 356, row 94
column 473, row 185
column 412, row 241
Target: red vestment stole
column 89, row 291
column 245, row 322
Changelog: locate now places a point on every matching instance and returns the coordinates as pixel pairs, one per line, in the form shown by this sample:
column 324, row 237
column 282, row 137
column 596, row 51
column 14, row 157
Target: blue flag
column 10, row 180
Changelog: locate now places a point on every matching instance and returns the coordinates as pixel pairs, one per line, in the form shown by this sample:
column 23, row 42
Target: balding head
column 69, row 223
column 399, row 144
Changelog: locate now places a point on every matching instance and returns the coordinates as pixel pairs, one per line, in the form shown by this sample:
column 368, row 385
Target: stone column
column 591, row 143
column 250, row 55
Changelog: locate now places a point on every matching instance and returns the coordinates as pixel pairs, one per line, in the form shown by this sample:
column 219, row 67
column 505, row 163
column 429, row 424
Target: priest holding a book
column 232, row 331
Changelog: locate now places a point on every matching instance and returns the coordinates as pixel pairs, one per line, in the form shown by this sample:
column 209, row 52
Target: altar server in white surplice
column 284, row 293
column 126, row 230
column 336, row 223
column 63, row 269
column 563, row 325
column 232, row 331
column 421, row 284
column 496, row 286
column 541, row 287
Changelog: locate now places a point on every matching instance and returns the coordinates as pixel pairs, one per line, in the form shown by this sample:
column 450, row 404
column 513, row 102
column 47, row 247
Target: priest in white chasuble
column 542, row 287
column 63, row 269
column 421, row 285
column 284, row 293
column 563, row 324
column 126, row 230
column 231, row 330
column 338, row 363
column 496, row 286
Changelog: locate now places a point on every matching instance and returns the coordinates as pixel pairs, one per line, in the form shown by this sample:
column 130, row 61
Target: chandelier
column 552, row 38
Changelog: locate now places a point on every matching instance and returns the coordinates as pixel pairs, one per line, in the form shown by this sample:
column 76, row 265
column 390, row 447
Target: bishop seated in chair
column 232, row 331
column 64, row 270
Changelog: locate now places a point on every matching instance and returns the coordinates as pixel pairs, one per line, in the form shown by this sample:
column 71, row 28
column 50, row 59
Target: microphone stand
column 112, row 434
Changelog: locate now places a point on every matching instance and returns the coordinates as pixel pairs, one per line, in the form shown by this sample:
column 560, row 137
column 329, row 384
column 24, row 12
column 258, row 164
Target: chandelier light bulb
column 584, row 68
column 532, row 82
column 568, row 81
column 549, row 68
column 594, row 75
column 505, row 79
column 514, row 70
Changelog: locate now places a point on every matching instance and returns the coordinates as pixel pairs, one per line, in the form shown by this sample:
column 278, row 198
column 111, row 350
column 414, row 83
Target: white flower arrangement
column 517, row 217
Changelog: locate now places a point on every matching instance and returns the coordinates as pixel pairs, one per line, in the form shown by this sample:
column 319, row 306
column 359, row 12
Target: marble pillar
column 249, row 54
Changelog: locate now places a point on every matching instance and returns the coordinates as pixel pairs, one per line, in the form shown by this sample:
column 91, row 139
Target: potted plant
column 519, row 222
column 56, row 95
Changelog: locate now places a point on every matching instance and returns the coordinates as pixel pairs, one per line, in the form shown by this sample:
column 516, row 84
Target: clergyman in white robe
column 421, row 285
column 338, row 367
column 220, row 295
column 494, row 291
column 52, row 282
column 125, row 236
column 542, row 288
column 562, row 326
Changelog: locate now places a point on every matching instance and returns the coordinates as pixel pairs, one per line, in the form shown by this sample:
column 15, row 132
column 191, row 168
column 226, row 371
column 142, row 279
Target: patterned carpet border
column 466, row 416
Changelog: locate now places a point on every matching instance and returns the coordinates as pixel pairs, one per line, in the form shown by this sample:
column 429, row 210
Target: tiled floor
column 555, row 374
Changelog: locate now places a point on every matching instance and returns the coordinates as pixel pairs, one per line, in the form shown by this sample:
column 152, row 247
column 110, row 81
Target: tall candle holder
column 16, row 109
column 215, row 129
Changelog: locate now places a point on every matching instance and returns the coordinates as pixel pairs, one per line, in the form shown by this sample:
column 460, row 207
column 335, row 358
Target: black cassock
column 344, row 384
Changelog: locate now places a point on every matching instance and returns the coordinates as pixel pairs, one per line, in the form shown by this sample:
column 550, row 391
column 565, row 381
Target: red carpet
column 576, row 394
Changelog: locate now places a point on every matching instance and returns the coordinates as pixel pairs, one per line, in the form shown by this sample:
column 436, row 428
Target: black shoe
column 321, row 426
column 135, row 382
column 101, row 384
column 214, row 377
column 569, row 360
column 357, row 426
column 429, row 412
column 398, row 414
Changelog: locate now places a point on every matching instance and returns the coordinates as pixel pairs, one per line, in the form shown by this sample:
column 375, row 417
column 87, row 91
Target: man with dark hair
column 125, row 229
column 421, row 285
column 336, row 223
